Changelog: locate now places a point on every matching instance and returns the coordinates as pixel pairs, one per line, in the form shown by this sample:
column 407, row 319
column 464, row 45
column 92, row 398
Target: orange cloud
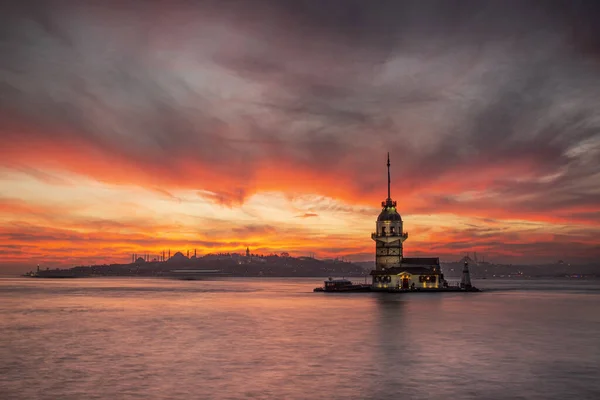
column 232, row 184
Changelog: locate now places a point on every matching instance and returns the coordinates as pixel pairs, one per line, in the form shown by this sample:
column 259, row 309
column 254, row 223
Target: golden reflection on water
column 245, row 338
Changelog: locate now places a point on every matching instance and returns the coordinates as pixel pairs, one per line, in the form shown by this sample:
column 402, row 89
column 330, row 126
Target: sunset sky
column 137, row 126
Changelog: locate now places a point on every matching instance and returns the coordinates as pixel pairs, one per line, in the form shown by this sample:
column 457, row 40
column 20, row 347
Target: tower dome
column 389, row 213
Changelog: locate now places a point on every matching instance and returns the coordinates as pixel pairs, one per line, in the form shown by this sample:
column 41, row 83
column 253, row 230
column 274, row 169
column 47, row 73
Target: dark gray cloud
column 455, row 90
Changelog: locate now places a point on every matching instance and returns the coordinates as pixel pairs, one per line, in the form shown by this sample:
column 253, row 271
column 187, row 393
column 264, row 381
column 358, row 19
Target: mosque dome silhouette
column 178, row 257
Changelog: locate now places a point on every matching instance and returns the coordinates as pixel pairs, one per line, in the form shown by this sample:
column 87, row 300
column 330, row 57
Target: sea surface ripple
column 129, row 338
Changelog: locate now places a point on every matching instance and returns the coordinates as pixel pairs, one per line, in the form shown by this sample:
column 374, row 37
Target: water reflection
column 275, row 339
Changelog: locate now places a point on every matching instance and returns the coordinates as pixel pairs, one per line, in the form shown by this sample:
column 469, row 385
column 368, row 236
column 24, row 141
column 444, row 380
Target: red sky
column 211, row 127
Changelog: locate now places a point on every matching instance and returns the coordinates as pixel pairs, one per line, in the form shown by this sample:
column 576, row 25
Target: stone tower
column 389, row 235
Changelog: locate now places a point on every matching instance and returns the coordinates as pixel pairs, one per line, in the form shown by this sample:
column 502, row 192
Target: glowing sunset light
column 203, row 126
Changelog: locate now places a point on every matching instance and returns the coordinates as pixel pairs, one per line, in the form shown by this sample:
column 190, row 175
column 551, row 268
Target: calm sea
column 275, row 339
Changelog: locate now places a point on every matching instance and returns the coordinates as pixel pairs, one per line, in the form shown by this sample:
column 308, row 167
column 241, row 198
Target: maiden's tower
column 392, row 269
column 393, row 272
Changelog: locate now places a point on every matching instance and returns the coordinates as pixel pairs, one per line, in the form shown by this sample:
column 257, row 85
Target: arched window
column 383, row 231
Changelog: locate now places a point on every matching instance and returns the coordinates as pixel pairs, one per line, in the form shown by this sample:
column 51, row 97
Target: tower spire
column 389, row 180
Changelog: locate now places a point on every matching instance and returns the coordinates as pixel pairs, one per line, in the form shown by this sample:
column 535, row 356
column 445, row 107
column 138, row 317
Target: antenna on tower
column 389, row 180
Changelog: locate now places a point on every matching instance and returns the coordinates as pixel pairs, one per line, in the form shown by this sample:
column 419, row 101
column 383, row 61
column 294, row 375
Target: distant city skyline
column 218, row 126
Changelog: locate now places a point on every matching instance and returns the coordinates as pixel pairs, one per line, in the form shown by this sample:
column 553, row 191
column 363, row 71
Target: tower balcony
column 389, row 236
